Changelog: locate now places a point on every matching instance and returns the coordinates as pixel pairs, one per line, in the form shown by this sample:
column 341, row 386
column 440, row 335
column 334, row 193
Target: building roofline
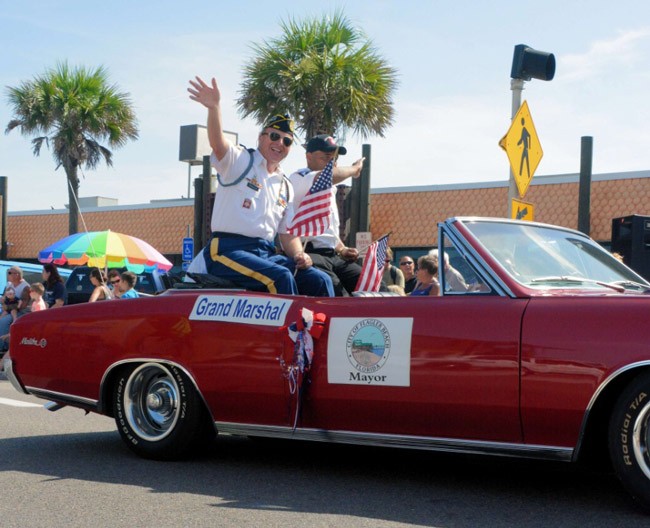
column 156, row 204
column 552, row 179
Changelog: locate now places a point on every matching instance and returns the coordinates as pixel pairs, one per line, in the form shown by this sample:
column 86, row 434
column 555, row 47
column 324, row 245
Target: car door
column 449, row 368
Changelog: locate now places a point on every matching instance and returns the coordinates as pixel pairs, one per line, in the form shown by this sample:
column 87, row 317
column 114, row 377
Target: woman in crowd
column 114, row 283
column 55, row 293
column 101, row 291
column 427, row 277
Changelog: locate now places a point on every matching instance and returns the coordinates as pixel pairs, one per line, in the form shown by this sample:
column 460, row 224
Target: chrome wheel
column 641, row 440
column 151, row 401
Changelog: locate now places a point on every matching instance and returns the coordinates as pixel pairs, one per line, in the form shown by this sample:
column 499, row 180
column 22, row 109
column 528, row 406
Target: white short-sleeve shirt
column 259, row 205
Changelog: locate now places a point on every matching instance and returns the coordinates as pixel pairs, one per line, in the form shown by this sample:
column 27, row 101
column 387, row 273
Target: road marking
column 18, row 403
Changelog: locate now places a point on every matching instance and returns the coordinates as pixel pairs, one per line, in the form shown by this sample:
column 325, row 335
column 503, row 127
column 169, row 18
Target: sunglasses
column 115, row 281
column 10, row 272
column 406, row 263
column 274, row 136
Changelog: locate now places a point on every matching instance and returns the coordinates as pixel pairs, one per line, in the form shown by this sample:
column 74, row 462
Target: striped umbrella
column 105, row 249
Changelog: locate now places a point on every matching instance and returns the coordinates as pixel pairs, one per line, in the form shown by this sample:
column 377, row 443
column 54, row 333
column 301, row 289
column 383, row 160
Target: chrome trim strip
column 60, row 397
column 562, row 454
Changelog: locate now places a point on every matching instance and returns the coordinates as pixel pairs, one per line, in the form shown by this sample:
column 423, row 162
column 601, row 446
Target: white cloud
column 604, row 56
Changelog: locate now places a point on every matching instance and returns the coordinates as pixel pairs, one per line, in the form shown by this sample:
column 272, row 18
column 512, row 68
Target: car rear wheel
column 629, row 439
column 158, row 412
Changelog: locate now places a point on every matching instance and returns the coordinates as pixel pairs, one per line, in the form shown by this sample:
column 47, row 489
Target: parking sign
column 188, row 249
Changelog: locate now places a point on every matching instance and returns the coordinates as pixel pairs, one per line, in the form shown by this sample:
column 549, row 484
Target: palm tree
column 73, row 110
column 326, row 74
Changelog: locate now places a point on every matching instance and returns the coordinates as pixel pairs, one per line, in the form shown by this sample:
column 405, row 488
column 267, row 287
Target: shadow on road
column 412, row 487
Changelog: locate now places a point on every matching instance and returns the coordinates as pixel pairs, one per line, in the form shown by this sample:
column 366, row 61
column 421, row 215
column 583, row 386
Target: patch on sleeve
column 236, row 309
column 370, row 351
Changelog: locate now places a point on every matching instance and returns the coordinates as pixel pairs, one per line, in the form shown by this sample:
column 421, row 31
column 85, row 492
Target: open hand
column 208, row 95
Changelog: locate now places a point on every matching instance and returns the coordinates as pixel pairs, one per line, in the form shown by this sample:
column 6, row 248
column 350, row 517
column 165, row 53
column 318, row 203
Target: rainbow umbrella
column 105, row 249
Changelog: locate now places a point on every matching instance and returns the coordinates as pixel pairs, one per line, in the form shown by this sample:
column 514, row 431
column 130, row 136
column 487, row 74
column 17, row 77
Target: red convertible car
column 539, row 350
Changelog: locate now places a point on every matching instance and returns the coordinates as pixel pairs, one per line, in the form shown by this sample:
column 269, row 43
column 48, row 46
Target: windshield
column 543, row 257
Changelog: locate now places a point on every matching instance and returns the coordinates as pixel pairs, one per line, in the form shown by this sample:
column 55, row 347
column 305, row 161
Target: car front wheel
column 629, row 439
column 158, row 412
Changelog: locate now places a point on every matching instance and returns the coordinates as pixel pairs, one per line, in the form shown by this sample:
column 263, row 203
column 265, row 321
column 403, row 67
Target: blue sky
column 452, row 103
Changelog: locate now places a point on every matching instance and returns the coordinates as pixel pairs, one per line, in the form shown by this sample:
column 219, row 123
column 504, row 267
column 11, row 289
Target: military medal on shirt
column 282, row 200
column 253, row 184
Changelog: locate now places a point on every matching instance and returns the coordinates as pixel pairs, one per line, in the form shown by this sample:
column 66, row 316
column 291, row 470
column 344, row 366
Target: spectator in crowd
column 20, row 286
column 454, row 280
column 113, row 283
column 126, row 285
column 37, row 290
column 407, row 265
column 55, row 292
column 253, row 203
column 327, row 251
column 392, row 274
column 10, row 303
column 426, row 276
column 101, row 291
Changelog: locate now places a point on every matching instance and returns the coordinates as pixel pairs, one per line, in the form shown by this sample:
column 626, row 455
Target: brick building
column 411, row 214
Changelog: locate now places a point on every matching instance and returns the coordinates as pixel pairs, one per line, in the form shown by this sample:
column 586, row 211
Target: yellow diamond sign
column 523, row 148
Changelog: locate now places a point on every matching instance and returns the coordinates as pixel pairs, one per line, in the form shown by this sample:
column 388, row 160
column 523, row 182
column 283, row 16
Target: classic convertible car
column 542, row 352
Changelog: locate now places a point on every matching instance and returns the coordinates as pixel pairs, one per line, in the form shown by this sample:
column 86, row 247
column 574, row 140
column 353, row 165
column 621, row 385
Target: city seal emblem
column 368, row 345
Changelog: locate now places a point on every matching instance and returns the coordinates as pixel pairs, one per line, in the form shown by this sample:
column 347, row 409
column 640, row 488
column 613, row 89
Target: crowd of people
column 20, row 297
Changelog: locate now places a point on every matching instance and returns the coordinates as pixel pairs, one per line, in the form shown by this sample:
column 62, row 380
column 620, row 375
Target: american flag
column 373, row 266
column 313, row 215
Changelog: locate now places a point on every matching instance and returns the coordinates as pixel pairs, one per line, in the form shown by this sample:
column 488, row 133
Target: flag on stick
column 313, row 215
column 373, row 266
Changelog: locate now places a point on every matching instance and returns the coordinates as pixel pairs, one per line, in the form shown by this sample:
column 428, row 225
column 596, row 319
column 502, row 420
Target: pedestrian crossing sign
column 522, row 210
column 523, row 148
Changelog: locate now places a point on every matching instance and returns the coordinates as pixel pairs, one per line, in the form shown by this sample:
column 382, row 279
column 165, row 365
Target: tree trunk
column 73, row 193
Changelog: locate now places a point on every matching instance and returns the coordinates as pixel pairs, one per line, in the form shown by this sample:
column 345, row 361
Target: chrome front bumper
column 7, row 365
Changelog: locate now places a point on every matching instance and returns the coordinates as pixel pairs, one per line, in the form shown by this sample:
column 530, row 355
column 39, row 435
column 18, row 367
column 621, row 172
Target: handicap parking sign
column 188, row 249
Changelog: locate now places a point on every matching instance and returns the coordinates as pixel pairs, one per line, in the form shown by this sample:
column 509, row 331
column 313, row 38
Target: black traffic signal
column 528, row 64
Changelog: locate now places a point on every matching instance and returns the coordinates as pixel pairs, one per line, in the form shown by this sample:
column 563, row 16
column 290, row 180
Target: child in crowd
column 10, row 303
column 36, row 295
column 127, row 285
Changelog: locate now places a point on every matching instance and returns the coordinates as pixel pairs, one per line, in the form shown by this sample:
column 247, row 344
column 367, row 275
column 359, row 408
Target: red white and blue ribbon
column 295, row 372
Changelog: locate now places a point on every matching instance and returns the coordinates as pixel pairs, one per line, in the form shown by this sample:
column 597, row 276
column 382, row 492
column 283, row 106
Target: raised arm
column 343, row 173
column 210, row 97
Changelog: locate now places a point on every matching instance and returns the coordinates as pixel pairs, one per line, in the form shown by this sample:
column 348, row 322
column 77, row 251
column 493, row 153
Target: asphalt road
column 69, row 469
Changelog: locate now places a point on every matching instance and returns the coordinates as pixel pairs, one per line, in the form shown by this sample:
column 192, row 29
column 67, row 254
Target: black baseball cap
column 325, row 143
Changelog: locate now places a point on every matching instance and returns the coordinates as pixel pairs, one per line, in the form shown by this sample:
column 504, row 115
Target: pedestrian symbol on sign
column 522, row 145
column 525, row 142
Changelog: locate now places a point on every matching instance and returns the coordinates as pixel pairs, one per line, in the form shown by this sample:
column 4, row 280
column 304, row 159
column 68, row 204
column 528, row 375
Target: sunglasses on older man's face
column 274, row 136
